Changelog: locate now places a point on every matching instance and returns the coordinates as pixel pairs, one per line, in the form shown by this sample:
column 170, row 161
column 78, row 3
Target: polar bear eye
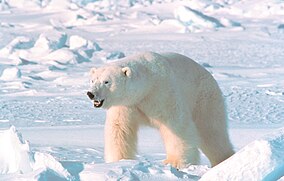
column 106, row 82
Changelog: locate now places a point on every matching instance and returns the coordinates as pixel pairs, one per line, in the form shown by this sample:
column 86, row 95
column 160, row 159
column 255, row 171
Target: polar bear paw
column 174, row 162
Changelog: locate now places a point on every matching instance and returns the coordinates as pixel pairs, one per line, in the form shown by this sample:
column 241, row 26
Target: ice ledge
column 16, row 158
column 262, row 159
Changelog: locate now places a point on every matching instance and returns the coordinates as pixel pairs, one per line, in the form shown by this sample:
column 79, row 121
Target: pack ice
column 48, row 46
column 16, row 158
column 260, row 160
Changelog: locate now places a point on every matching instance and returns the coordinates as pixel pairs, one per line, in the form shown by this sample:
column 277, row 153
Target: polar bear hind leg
column 212, row 127
column 178, row 149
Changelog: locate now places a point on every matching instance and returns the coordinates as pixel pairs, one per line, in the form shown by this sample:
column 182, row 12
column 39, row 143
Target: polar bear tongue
column 98, row 104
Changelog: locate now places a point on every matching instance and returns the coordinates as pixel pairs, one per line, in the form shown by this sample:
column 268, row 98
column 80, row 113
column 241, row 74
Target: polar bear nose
column 90, row 95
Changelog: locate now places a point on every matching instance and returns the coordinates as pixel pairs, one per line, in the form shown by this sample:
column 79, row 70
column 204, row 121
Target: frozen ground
column 48, row 47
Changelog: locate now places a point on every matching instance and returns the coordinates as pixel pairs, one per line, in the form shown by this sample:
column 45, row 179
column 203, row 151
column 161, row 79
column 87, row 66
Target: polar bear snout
column 97, row 102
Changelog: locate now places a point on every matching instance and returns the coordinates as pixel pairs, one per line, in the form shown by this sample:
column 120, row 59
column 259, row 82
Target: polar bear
column 170, row 92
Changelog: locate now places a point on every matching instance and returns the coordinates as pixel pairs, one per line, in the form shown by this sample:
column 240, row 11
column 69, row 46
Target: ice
column 76, row 42
column 20, row 42
column 11, row 74
column 82, row 48
column 62, row 56
column 47, row 48
column 17, row 158
column 260, row 160
column 4, row 120
column 195, row 20
column 48, row 42
column 44, row 160
column 115, row 55
column 230, row 23
column 281, row 28
column 83, row 2
column 135, row 170
column 4, row 5
column 15, row 155
column 22, row 61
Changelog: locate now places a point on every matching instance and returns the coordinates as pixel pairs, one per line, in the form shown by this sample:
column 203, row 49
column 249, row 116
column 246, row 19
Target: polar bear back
column 177, row 71
column 163, row 64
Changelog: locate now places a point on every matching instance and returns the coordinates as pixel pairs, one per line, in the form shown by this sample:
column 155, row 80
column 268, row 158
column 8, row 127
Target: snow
column 84, row 162
column 10, row 74
column 195, row 20
column 115, row 55
column 16, row 157
column 260, row 160
column 76, row 41
column 47, row 48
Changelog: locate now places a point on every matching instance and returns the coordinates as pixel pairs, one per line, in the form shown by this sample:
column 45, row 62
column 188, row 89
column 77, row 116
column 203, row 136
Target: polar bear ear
column 93, row 70
column 126, row 71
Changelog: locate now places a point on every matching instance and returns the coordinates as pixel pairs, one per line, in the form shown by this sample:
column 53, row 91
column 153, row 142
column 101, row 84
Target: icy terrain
column 48, row 46
column 259, row 160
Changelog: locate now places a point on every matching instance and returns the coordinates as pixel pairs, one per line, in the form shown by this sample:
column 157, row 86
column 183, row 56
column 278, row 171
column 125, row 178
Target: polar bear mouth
column 98, row 104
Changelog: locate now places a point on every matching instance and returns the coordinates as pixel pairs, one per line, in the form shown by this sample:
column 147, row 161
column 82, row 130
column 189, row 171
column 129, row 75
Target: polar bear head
column 110, row 86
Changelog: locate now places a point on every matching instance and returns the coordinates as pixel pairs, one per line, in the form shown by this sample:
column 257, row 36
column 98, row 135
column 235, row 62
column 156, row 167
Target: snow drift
column 195, row 19
column 260, row 160
column 48, row 45
column 17, row 158
column 15, row 155
column 10, row 74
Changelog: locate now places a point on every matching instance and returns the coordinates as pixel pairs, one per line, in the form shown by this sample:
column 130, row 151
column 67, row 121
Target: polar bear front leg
column 120, row 133
column 179, row 150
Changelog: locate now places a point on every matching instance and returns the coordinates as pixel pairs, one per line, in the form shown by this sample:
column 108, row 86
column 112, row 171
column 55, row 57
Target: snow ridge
column 260, row 160
column 17, row 158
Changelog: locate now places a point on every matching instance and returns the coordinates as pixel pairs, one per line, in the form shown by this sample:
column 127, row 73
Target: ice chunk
column 281, row 28
column 83, row 49
column 83, row 2
column 260, row 160
column 76, row 42
column 14, row 153
column 49, row 41
column 20, row 42
column 44, row 160
column 4, row 6
column 11, row 74
column 195, row 19
column 16, row 158
column 229, row 23
column 22, row 61
column 115, row 55
column 63, row 56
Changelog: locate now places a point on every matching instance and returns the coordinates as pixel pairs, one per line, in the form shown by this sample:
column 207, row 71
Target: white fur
column 170, row 92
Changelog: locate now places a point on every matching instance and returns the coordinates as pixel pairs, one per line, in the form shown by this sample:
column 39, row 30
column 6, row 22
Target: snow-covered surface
column 260, row 160
column 48, row 46
column 16, row 158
